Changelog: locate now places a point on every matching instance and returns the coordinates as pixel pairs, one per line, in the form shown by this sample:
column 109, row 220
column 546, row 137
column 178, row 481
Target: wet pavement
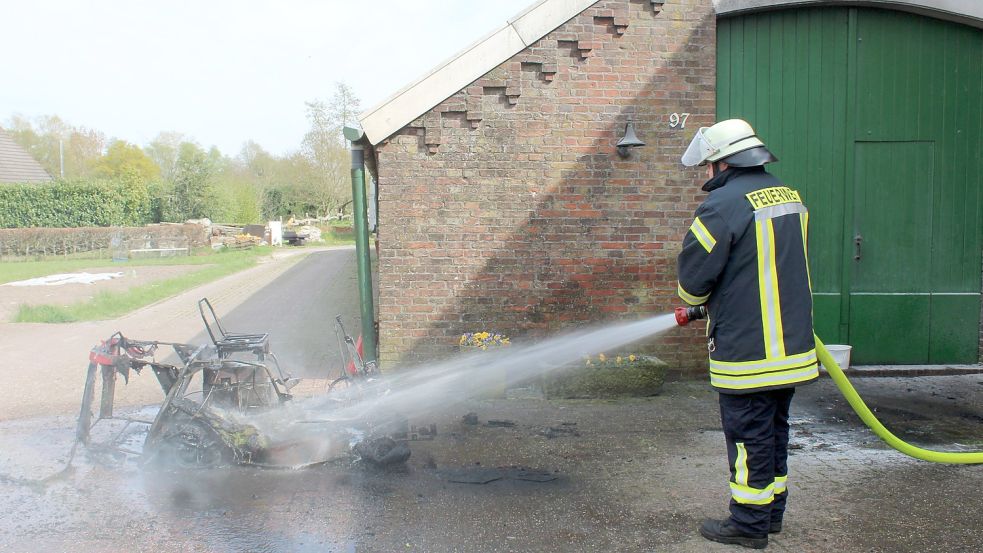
column 530, row 475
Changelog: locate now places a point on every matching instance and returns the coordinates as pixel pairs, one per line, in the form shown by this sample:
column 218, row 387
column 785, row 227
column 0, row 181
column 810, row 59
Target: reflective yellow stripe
column 759, row 234
column 781, row 484
column 745, row 367
column 771, row 314
column 690, row 298
column 776, row 299
column 780, row 378
column 752, row 496
column 804, row 221
column 740, row 465
column 703, row 235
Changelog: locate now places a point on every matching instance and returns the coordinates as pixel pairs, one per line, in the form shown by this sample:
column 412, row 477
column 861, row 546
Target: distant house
column 16, row 165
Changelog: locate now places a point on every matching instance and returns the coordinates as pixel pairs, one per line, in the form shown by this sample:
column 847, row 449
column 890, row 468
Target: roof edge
column 451, row 76
column 17, row 165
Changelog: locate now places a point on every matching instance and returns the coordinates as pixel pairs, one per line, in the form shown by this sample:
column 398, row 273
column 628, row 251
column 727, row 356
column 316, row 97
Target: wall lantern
column 628, row 141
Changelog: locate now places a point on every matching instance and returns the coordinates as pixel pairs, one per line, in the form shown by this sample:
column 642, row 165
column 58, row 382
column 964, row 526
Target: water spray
column 437, row 386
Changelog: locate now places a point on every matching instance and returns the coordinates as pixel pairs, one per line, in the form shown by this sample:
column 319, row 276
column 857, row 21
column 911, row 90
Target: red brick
column 525, row 220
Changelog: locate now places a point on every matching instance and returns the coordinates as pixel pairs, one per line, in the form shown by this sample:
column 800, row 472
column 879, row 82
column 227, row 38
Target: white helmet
column 732, row 141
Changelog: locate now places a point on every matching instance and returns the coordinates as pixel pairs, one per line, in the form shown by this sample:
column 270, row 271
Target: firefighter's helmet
column 732, row 141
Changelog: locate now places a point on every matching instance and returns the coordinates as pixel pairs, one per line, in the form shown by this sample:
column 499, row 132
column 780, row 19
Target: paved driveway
column 298, row 308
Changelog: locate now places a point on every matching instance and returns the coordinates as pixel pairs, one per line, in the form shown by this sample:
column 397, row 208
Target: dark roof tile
column 16, row 165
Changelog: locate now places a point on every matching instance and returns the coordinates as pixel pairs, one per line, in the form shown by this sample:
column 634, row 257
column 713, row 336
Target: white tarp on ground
column 70, row 278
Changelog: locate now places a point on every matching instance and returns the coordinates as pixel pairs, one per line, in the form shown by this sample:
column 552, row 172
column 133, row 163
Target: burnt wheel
column 344, row 391
column 382, row 452
column 192, row 445
column 340, row 384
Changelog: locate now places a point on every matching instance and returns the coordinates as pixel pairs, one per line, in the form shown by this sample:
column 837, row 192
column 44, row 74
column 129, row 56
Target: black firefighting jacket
column 745, row 257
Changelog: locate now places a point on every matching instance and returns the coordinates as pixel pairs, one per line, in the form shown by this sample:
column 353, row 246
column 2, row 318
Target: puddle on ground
column 940, row 412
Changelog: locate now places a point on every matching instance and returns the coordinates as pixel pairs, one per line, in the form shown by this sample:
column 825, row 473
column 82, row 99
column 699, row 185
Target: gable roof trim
column 468, row 66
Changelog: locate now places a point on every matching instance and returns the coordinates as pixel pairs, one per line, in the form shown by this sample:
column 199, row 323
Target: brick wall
column 506, row 207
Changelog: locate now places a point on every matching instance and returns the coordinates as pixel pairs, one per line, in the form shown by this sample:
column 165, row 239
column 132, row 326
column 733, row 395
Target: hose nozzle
column 684, row 315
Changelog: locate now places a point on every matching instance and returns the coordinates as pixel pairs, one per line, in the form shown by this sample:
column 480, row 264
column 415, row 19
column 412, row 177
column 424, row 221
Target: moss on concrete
column 640, row 378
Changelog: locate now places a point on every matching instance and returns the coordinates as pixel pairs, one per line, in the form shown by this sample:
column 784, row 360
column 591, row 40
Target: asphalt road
column 298, row 309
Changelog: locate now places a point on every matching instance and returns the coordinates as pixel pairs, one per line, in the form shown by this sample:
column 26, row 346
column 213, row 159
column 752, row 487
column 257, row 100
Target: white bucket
column 840, row 354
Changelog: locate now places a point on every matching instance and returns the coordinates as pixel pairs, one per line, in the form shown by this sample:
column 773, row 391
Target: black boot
column 723, row 531
column 776, row 527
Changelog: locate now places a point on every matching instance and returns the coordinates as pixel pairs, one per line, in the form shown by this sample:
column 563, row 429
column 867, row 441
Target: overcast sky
column 222, row 71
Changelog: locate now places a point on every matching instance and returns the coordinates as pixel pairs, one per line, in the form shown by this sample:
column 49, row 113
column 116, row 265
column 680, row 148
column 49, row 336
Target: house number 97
column 678, row 120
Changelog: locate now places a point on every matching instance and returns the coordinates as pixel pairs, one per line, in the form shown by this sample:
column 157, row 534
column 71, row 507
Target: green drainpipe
column 362, row 250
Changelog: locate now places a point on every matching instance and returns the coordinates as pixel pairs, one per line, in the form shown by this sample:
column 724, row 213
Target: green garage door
column 877, row 118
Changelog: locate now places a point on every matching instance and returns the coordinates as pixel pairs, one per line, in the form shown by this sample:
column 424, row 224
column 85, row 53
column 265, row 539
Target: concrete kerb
column 863, row 371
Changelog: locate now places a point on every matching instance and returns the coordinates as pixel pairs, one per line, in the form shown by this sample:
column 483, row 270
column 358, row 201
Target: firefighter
column 744, row 259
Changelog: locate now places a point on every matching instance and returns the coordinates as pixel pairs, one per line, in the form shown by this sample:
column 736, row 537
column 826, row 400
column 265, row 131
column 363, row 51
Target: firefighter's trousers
column 756, row 428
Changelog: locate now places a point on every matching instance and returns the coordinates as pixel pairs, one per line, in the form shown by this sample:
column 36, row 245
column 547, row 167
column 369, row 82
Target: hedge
column 74, row 203
column 63, row 241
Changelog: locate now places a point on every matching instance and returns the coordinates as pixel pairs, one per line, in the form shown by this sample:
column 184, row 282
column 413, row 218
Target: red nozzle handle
column 681, row 318
column 686, row 314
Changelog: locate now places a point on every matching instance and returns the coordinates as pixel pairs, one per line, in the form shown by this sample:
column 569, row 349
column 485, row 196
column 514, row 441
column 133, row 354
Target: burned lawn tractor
column 229, row 403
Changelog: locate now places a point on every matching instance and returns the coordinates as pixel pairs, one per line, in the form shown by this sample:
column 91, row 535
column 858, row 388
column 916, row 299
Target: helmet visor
column 699, row 150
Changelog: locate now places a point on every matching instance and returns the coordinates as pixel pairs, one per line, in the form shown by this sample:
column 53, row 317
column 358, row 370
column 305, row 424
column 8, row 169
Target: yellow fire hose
column 848, row 391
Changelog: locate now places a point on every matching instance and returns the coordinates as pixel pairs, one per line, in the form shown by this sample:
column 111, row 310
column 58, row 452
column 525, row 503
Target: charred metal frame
column 210, row 432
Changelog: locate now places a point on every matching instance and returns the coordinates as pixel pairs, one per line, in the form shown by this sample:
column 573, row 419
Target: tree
column 192, row 191
column 51, row 141
column 325, row 147
column 82, row 148
column 22, row 131
column 343, row 109
column 164, row 151
column 256, row 164
column 217, row 159
column 185, row 181
column 273, row 203
column 244, row 203
column 237, row 197
column 126, row 161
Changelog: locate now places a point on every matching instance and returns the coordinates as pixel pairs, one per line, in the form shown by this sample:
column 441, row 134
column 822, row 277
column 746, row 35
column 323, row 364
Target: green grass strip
column 12, row 271
column 109, row 305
